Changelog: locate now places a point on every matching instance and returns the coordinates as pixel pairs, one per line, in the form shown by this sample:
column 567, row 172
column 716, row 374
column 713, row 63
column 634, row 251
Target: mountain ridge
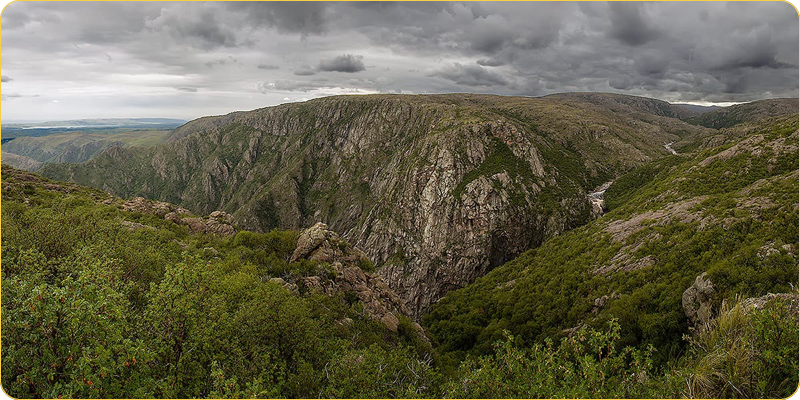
column 439, row 189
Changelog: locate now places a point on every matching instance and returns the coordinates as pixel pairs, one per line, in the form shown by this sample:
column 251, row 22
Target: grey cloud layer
column 230, row 55
column 344, row 63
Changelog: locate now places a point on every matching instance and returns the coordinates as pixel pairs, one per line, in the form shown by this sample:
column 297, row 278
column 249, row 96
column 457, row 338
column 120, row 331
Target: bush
column 746, row 353
column 588, row 364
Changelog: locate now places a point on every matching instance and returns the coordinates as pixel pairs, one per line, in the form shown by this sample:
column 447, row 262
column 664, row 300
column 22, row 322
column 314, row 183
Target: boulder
column 696, row 302
column 222, row 217
column 318, row 243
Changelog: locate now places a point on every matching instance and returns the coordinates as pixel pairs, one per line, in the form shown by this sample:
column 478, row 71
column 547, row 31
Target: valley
column 28, row 146
column 438, row 190
column 442, row 241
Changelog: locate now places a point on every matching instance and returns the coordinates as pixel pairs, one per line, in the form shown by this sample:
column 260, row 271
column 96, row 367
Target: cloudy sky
column 187, row 59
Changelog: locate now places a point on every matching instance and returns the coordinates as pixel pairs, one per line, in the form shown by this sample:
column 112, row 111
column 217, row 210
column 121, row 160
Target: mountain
column 698, row 109
column 747, row 112
column 20, row 162
column 723, row 216
column 438, row 189
column 663, row 261
column 75, row 147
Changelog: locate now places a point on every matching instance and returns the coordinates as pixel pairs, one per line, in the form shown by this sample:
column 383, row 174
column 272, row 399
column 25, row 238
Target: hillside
column 20, row 162
column 112, row 298
column 747, row 112
column 729, row 212
column 681, row 287
column 437, row 189
column 78, row 146
column 107, row 297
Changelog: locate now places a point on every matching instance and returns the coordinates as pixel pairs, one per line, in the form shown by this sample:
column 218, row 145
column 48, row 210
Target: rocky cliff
column 719, row 221
column 437, row 190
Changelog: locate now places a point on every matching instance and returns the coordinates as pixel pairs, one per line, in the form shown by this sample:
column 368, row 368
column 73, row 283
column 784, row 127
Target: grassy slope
column 738, row 208
column 107, row 295
column 730, row 116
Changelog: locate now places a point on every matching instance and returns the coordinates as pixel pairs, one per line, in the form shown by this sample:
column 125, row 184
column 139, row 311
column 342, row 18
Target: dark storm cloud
column 345, row 63
column 287, row 17
column 628, row 25
column 194, row 25
column 157, row 52
column 4, row 78
column 470, row 75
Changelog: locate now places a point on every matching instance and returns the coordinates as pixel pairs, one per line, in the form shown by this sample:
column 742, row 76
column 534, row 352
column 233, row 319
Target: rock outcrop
column 697, row 302
column 217, row 223
column 790, row 300
column 159, row 208
column 318, row 243
column 380, row 303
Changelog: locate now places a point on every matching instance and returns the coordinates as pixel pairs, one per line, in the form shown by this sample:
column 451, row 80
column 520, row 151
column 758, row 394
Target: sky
column 68, row 60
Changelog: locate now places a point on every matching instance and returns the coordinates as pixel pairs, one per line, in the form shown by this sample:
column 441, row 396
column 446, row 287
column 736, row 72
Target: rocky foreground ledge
column 318, row 243
column 348, row 274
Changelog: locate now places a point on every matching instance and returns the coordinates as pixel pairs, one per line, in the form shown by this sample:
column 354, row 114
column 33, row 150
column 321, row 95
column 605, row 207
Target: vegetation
column 102, row 302
column 75, row 147
column 745, row 353
column 737, row 221
column 91, row 308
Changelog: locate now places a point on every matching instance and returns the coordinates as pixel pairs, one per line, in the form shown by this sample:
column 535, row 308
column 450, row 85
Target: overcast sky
column 187, row 59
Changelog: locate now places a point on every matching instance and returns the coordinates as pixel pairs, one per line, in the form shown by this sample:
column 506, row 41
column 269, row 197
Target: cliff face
column 437, row 190
column 721, row 221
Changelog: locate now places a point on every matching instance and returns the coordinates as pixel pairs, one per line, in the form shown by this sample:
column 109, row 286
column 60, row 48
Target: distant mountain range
column 98, row 123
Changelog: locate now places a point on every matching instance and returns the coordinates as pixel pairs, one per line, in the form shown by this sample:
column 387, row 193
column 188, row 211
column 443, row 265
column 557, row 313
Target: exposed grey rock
column 318, row 243
column 790, row 300
column 697, row 302
column 380, row 303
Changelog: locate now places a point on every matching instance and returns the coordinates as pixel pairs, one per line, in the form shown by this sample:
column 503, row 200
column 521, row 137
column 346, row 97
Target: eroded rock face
column 697, row 303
